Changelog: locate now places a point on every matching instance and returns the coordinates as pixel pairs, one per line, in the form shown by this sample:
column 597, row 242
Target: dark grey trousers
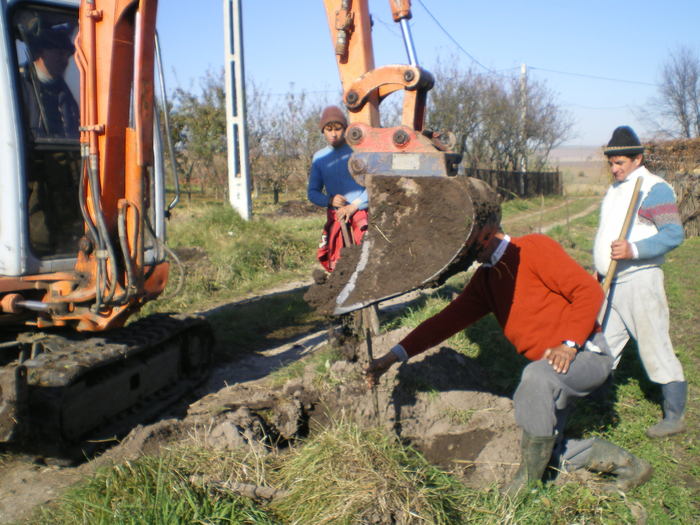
column 543, row 396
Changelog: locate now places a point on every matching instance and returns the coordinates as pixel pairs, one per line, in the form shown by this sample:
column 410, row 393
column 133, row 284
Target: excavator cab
column 49, row 93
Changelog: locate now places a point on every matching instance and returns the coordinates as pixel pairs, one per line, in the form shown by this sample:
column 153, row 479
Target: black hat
column 42, row 35
column 625, row 142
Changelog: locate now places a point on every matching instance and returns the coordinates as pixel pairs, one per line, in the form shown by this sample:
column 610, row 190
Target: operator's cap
column 624, row 141
column 333, row 114
column 56, row 36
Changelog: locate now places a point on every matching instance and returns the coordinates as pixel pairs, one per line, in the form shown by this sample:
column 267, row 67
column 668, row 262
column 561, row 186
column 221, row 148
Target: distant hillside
column 583, row 168
column 576, row 154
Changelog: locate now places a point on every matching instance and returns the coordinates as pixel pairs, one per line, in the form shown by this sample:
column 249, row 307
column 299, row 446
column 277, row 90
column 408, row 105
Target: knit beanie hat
column 333, row 114
column 624, row 142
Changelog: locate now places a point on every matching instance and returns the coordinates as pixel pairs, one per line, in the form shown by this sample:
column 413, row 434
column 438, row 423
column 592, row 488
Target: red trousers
column 328, row 251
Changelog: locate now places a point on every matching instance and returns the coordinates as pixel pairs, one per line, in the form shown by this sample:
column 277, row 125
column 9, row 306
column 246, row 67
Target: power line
column 584, row 75
column 388, row 26
column 452, row 39
column 596, row 77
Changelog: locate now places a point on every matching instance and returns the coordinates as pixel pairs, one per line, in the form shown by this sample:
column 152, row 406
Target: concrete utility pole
column 523, row 117
column 522, row 154
column 236, row 132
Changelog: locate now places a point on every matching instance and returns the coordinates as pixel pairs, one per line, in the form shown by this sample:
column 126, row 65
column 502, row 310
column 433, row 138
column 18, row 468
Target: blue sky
column 564, row 43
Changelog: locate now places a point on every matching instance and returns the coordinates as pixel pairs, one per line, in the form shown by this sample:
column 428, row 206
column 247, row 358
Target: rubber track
column 69, row 363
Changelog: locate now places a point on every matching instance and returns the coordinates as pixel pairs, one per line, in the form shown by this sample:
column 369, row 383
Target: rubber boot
column 630, row 471
column 536, row 452
column 675, row 395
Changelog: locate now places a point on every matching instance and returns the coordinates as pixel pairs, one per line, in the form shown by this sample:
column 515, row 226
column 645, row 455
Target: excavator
column 83, row 213
column 82, row 228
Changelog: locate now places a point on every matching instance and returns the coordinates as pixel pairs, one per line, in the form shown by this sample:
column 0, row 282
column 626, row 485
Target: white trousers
column 637, row 307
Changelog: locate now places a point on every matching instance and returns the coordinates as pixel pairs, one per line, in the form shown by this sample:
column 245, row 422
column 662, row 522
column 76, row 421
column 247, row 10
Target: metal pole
column 408, row 42
column 523, row 117
column 236, row 132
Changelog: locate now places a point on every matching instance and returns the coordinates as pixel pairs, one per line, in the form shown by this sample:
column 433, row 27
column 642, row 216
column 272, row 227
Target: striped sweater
column 656, row 228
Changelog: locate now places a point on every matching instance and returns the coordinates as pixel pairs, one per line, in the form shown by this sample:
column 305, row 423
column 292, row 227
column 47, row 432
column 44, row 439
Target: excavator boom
column 425, row 221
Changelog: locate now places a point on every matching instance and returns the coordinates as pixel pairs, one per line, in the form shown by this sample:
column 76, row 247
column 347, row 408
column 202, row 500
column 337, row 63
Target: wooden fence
column 687, row 188
column 518, row 184
column 678, row 161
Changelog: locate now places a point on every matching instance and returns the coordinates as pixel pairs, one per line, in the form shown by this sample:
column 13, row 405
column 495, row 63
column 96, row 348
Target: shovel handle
column 347, row 239
column 612, row 268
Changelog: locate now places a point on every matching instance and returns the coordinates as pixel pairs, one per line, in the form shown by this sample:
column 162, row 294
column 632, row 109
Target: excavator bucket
column 422, row 230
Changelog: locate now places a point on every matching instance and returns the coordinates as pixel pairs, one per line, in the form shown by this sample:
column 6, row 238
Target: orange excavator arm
column 115, row 55
column 425, row 222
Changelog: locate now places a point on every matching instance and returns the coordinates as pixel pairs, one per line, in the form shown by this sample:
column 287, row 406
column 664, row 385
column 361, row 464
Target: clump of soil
column 421, row 231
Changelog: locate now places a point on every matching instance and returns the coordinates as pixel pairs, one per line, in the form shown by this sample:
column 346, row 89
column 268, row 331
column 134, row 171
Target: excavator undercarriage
column 65, row 390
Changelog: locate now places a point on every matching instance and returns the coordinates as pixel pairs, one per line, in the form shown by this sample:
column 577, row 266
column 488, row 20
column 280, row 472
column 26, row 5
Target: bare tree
column 199, row 129
column 289, row 143
column 546, row 126
column 486, row 111
column 675, row 111
column 258, row 117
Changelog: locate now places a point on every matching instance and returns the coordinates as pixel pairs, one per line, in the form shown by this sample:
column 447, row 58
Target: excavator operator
column 51, row 108
column 344, row 199
column 45, row 45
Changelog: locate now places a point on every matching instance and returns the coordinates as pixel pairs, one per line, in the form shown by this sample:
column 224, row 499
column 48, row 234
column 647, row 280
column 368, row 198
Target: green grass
column 532, row 215
column 149, row 491
column 347, row 475
column 225, row 257
column 340, row 475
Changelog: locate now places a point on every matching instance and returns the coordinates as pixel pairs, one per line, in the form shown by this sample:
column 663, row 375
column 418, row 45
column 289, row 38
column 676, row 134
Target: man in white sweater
column 637, row 305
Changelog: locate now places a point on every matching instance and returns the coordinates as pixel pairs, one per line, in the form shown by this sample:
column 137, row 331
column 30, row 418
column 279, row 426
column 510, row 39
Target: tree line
column 503, row 122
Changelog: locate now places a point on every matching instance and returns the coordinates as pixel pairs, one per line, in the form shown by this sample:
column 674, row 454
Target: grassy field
column 345, row 474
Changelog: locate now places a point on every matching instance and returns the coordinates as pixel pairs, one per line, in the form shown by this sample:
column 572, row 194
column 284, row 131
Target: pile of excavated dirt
column 421, row 230
column 440, row 404
column 437, row 403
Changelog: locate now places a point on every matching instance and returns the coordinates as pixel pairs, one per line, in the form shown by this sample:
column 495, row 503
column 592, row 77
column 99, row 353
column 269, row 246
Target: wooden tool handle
column 612, row 268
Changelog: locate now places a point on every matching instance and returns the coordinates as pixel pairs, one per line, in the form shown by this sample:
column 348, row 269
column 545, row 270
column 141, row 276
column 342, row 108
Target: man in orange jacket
column 547, row 306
